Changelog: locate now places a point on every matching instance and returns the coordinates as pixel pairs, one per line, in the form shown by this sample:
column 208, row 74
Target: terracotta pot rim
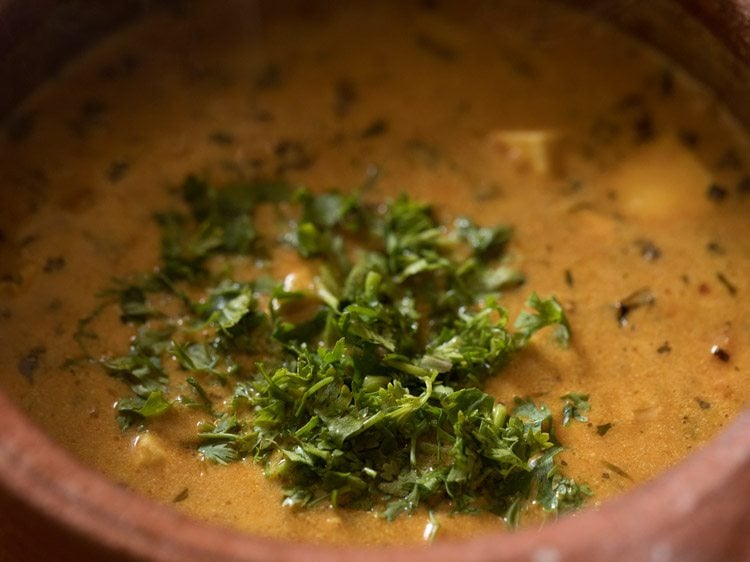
column 43, row 475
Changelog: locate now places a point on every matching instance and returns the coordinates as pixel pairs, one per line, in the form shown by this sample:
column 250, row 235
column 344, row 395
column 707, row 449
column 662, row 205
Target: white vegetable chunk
column 529, row 150
column 663, row 179
column 148, row 450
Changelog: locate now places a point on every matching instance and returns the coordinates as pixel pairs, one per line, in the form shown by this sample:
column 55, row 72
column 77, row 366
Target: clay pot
column 54, row 508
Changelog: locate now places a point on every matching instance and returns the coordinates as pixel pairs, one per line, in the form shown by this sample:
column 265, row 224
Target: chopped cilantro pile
column 363, row 391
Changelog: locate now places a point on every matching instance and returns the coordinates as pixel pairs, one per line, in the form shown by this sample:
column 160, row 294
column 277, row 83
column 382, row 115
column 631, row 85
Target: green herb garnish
column 364, row 391
column 575, row 408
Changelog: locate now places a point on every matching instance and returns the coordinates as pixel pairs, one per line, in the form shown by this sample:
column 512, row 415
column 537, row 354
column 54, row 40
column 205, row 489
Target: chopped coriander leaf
column 476, row 343
column 576, row 404
column 221, row 224
column 143, row 372
column 220, row 454
column 500, row 278
column 368, row 396
column 227, row 305
column 134, row 306
column 136, row 408
column 413, row 239
column 199, row 391
column 484, row 241
column 196, row 357
column 549, row 312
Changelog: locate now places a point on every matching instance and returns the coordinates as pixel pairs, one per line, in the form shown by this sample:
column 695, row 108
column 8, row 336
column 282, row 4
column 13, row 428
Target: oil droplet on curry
column 475, row 155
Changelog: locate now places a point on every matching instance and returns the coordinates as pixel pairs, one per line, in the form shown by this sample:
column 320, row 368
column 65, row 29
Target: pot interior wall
column 38, row 36
column 711, row 40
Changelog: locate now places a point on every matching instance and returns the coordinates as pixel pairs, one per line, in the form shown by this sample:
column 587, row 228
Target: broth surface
column 620, row 175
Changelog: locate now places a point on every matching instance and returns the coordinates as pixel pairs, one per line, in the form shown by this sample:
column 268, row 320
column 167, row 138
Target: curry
column 623, row 182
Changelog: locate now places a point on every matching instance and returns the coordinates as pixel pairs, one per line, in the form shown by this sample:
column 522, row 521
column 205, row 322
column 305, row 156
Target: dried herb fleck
column 635, row 300
column 375, row 128
column 222, row 138
column 345, row 96
column 292, row 155
column 617, row 470
column 182, row 496
column 437, row 48
column 603, row 429
column 720, row 353
column 30, row 363
column 118, row 170
column 270, row 76
column 649, row 250
column 664, row 348
column 54, row 264
column 716, row 193
column 702, row 404
column 728, row 285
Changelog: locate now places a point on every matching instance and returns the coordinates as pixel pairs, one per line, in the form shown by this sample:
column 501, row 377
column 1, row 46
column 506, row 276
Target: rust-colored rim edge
column 644, row 524
column 728, row 21
column 32, row 47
